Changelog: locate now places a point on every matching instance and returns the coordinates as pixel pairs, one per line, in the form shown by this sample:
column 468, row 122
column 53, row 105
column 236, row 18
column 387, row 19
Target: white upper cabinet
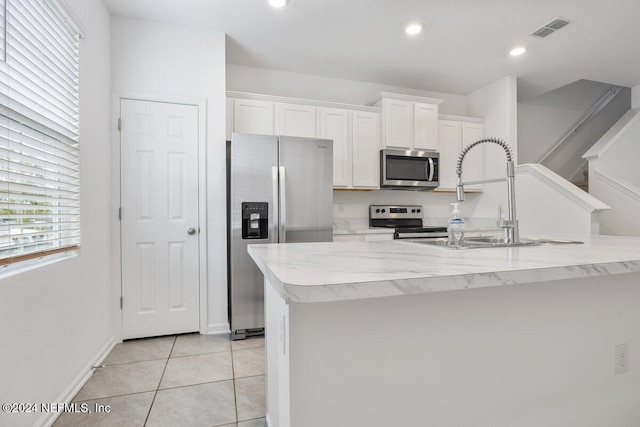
column 408, row 122
column 296, row 120
column 453, row 136
column 253, row 116
column 333, row 123
column 366, row 145
column 425, row 126
column 397, row 123
column 356, row 146
column 355, row 131
column 449, row 134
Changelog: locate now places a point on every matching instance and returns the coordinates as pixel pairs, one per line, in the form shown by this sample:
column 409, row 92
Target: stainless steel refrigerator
column 280, row 191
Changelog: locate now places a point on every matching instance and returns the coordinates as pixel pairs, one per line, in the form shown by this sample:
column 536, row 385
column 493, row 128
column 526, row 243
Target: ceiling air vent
column 550, row 28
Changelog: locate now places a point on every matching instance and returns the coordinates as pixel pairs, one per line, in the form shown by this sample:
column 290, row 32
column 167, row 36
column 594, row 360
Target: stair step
column 584, row 185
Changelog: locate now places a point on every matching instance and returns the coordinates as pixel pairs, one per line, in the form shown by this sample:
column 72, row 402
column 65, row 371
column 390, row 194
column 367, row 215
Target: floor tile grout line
column 160, row 381
column 235, row 395
column 196, row 384
column 112, row 396
column 201, row 354
column 131, row 362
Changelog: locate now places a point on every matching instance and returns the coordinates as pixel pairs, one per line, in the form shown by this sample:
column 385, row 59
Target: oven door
column 416, row 170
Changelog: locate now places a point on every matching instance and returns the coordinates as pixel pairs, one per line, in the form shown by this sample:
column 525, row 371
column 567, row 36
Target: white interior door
column 159, row 223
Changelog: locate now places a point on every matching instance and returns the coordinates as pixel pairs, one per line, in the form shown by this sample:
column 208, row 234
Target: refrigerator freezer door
column 253, row 167
column 306, row 190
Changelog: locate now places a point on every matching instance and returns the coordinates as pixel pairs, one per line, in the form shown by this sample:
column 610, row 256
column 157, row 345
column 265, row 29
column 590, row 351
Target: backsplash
column 351, row 209
column 361, row 225
column 355, row 204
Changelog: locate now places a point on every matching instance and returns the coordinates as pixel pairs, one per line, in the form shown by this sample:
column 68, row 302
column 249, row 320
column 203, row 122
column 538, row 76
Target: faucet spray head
column 460, row 190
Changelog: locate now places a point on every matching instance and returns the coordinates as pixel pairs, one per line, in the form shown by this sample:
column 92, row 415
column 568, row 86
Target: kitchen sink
column 491, row 242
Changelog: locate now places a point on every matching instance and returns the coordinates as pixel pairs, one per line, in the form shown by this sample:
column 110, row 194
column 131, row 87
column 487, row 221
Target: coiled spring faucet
column 511, row 225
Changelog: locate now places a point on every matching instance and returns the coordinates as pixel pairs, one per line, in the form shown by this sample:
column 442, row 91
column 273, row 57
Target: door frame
column 116, row 249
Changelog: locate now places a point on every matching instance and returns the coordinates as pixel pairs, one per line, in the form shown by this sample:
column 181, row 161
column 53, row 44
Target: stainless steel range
column 406, row 219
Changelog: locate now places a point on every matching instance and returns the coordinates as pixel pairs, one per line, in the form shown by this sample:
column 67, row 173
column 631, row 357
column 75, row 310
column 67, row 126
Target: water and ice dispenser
column 255, row 220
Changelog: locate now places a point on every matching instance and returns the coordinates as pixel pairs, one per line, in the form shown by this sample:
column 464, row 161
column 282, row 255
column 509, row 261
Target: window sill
column 33, row 264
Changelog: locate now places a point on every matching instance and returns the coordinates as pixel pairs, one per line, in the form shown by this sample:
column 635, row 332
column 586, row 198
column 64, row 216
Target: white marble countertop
column 334, row 271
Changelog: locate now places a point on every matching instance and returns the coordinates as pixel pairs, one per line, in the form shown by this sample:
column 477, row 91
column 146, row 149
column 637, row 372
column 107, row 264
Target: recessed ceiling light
column 413, row 29
column 517, row 51
column 278, row 3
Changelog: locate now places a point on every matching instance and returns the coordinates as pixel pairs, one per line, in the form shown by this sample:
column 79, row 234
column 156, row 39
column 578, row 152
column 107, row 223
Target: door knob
column 191, row 231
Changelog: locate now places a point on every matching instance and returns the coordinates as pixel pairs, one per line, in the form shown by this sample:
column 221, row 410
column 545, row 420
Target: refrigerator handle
column 274, row 202
column 282, row 232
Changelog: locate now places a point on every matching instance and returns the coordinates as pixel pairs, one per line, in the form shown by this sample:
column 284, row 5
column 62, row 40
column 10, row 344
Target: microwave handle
column 431, row 171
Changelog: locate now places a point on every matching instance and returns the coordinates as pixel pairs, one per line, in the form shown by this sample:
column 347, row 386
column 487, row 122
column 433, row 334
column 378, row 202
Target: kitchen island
column 403, row 334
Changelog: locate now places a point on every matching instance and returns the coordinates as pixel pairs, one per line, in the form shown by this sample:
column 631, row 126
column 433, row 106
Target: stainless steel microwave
column 409, row 170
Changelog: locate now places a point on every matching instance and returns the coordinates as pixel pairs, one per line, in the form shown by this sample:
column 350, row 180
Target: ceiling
column 464, row 45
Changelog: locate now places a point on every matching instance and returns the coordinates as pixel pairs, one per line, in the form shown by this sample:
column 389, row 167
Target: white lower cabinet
column 453, row 136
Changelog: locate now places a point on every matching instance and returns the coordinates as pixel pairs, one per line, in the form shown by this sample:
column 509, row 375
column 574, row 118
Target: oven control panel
column 395, row 212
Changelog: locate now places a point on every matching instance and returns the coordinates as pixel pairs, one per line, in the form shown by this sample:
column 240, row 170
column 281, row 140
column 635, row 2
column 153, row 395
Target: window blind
column 39, row 130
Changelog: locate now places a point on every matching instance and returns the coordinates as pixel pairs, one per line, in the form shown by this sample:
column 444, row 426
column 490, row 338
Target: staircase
column 615, row 176
column 565, row 155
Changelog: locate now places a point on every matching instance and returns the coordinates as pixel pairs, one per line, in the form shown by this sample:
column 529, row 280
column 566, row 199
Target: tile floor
column 184, row 380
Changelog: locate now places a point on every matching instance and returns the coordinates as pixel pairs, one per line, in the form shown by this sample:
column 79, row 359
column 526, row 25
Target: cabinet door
column 425, row 126
column 449, row 145
column 333, row 123
column 365, row 149
column 398, row 123
column 251, row 116
column 473, row 169
column 296, row 120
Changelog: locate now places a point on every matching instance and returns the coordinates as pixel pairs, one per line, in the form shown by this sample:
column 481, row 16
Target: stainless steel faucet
column 511, row 225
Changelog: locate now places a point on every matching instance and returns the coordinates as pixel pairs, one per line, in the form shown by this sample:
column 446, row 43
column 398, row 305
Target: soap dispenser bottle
column 455, row 227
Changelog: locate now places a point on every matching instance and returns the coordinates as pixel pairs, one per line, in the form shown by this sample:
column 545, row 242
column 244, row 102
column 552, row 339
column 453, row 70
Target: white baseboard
column 218, row 328
column 267, row 420
column 47, row 419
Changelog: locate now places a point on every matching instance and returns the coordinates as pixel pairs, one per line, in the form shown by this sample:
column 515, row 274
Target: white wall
column 306, row 86
column 550, row 205
column 614, row 176
column 622, row 219
column 164, row 60
column 620, row 158
column 57, row 319
column 497, row 104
